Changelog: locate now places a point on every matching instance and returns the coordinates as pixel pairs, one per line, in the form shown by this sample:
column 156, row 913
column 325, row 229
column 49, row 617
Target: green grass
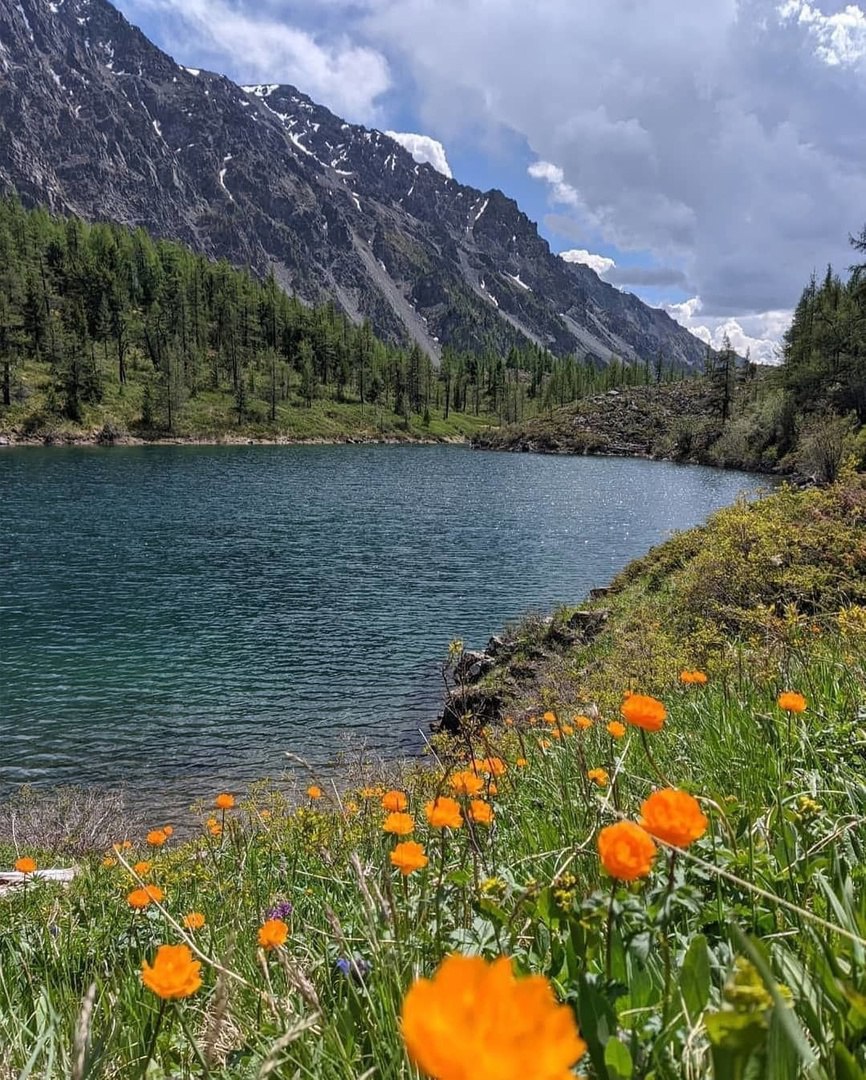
column 212, row 415
column 744, row 956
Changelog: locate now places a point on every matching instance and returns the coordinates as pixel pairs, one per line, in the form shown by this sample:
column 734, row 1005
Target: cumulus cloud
column 600, row 263
column 423, row 149
column 840, row 38
column 757, row 334
column 254, row 45
column 722, row 138
column 560, row 192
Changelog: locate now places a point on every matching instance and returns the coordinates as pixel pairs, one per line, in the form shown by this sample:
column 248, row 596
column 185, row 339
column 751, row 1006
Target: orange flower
column 556, row 733
column 466, row 782
column 156, row 838
column 792, row 702
column 142, row 868
column 582, row 723
column 481, row 812
column 492, row 789
column 693, row 677
column 408, row 857
column 521, row 762
column 492, row 766
column 394, row 801
column 224, row 801
column 616, row 729
column 544, row 744
column 626, row 851
column 314, row 791
column 273, row 934
column 399, row 824
column 475, row 1019
column 108, row 862
column 168, row 830
column 599, row 776
column 444, row 813
column 370, row 792
column 567, row 729
column 140, row 898
column 25, row 865
column 174, row 973
column 508, row 721
column 214, row 828
column 194, row 921
column 549, row 717
column 644, row 712
column 673, row 816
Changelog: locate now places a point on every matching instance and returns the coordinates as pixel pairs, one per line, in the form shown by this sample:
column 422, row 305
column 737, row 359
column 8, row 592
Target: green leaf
column 618, row 1060
column 846, row 1065
column 695, row 979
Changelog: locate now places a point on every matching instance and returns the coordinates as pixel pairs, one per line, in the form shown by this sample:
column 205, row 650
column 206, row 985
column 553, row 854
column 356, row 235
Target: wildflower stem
column 192, row 1041
column 152, row 1045
column 652, row 761
column 608, row 966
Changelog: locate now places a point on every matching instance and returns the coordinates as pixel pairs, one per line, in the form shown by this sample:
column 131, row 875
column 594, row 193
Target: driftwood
column 12, row 879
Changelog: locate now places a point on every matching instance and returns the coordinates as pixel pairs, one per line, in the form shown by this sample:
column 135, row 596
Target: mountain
column 95, row 120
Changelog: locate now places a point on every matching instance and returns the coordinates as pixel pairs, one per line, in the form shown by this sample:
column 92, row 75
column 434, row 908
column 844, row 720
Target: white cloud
column 600, row 263
column 840, row 38
column 553, row 175
column 254, row 46
column 423, row 149
column 759, row 335
column 709, row 135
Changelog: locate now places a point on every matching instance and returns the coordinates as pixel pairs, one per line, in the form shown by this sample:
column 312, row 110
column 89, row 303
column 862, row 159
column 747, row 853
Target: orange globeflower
column 214, row 828
column 582, row 723
column 273, row 934
column 644, row 712
column 791, row 701
column 474, row 1018
column 168, row 830
column 616, row 729
column 174, row 974
column 370, row 792
column 140, row 898
column 408, row 857
column 492, row 766
column 521, row 762
column 626, row 851
column 674, row 817
column 567, row 729
column 398, row 824
column 480, row 812
column 194, row 921
column 693, row 677
column 466, row 782
column 444, row 813
column 25, row 865
column 599, row 776
column 314, row 791
column 394, row 801
column 141, row 868
column 156, row 838
column 224, row 801
column 549, row 717
column 108, row 862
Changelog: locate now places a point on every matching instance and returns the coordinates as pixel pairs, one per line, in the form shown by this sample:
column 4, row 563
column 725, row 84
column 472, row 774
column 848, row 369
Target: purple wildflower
column 281, row 910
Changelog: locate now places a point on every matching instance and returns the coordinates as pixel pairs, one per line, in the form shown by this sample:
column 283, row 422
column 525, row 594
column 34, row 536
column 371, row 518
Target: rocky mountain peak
column 96, row 120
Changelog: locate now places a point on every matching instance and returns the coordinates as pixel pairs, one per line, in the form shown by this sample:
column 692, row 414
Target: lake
column 174, row 618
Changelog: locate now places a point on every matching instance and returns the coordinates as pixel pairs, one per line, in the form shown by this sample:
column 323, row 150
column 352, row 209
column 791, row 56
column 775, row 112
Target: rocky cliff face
column 96, row 120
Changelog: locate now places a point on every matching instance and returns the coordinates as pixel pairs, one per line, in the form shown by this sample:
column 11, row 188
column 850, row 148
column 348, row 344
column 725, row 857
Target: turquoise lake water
column 175, row 618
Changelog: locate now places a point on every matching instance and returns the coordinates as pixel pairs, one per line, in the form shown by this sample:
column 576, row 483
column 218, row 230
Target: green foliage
column 743, row 955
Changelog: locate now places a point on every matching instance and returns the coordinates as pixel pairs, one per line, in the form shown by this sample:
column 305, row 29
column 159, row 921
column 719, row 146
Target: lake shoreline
column 15, row 442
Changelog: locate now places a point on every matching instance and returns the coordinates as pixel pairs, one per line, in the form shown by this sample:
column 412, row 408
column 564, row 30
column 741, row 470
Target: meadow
column 651, row 867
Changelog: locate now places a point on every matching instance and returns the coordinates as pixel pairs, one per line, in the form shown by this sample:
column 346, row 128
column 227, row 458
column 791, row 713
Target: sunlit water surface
column 176, row 618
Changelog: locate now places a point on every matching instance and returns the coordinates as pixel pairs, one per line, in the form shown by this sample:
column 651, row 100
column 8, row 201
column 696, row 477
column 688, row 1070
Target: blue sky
column 707, row 157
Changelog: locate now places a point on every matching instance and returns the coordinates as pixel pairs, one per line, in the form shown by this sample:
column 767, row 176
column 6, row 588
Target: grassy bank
column 738, row 953
column 212, row 416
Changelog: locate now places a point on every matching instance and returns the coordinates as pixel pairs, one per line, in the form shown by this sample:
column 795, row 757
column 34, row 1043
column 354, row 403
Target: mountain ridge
column 97, row 121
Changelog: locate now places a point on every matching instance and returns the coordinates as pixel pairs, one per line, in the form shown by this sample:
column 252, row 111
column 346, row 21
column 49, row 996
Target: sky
column 707, row 156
